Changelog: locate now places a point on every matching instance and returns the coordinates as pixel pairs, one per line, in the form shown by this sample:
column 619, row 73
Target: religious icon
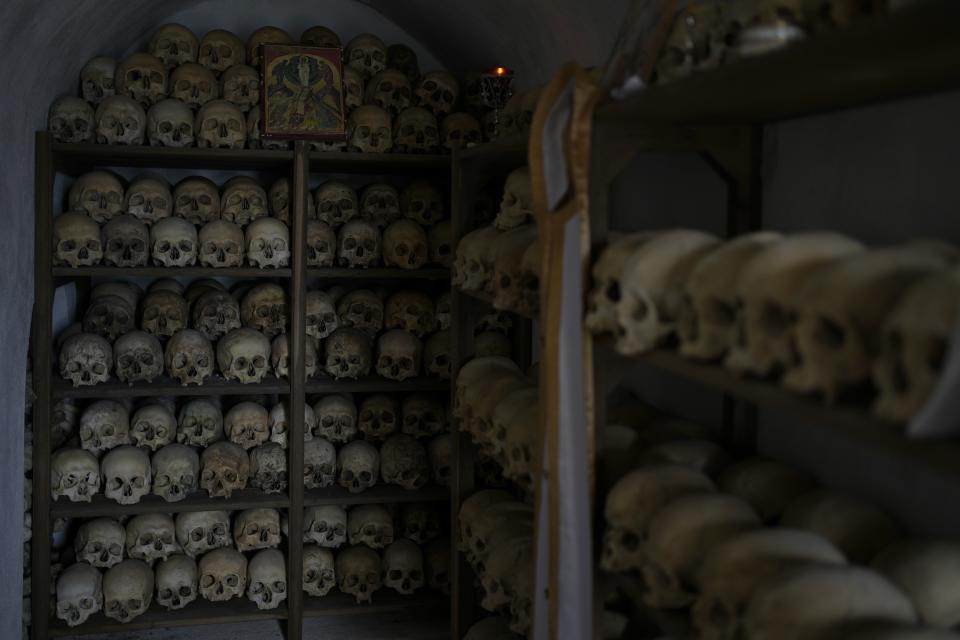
column 302, row 93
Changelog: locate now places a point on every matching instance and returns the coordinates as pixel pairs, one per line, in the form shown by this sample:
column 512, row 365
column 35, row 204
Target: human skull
column 199, row 423
column 369, row 130
column 441, row 244
column 436, row 355
column 653, row 277
column 318, row 570
column 77, row 240
column 607, row 289
column 511, row 123
column 174, row 243
column 216, row 313
column 411, row 311
column 244, row 355
column 264, row 308
column 240, row 84
column 63, row 421
column 703, row 455
column 492, row 343
column 693, row 43
column 631, row 505
column 97, row 79
column 737, row 567
column 268, row 464
column 225, row 469
column 170, row 124
column 197, row 200
column 440, row 450
column 138, row 357
column 220, row 124
column 398, row 355
column 353, row 88
column 321, row 36
column 100, row 194
column 489, row 406
column 321, row 316
column 126, row 240
column 74, row 475
column 442, row 312
column 280, row 426
column 359, row 464
column 336, row 203
column 767, row 485
column 422, row 202
column 380, row 204
column 267, row 580
column 221, row 244
column 268, row 243
column 220, row 50
column 347, row 353
column 423, row 415
column 403, row 567
column 71, row 119
column 100, row 542
column 174, row 44
column 243, row 201
column 202, row 531
column 120, row 120
column 280, row 357
column 500, row 521
column 321, row 244
column 257, row 529
column 842, row 309
column 325, row 525
column 85, row 359
column 109, row 315
column 437, row 91
column 473, row 507
column 177, row 578
column 913, row 346
column 370, row 524
column 378, row 417
column 390, row 90
column 126, row 474
column 176, row 472
column 194, row 85
column 223, row 574
column 336, row 418
column 358, row 572
column 367, row 54
column 416, row 131
column 767, row 293
column 319, row 464
column 189, row 357
column 265, row 35
column 153, row 426
column 127, row 590
column 150, row 537
column 472, row 372
column 472, row 270
column 500, row 566
column 405, row 245
column 142, row 77
column 806, row 601
column 460, row 131
column 247, row 424
column 362, row 309
column 403, row 462
column 923, row 570
column 507, row 280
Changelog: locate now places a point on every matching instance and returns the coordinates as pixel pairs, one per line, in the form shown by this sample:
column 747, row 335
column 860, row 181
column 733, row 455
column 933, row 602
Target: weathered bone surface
column 177, row 579
column 127, row 475
column 176, row 472
column 925, row 571
column 223, row 575
column 358, row 572
column 201, row 531
column 127, row 590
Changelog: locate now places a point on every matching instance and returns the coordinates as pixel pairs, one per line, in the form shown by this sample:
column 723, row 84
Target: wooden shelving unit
column 53, row 159
column 720, row 114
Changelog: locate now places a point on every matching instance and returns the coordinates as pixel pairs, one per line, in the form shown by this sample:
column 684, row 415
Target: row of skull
column 220, row 124
column 149, row 198
column 127, row 473
column 496, row 535
column 753, row 546
column 498, row 406
column 818, row 310
column 503, row 264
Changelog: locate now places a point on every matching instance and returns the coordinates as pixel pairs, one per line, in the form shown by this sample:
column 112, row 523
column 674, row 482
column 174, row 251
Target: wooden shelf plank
column 215, row 386
column 487, row 299
column 82, row 156
column 376, row 274
column 378, row 494
column 198, row 612
column 854, row 420
column 356, row 162
column 906, row 53
column 376, row 384
column 384, row 600
column 168, row 272
column 198, row 501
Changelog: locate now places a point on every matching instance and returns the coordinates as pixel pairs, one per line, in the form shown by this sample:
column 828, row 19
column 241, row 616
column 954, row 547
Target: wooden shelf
column 854, row 420
column 512, row 150
column 355, row 162
column 215, row 386
column 906, row 53
column 376, row 384
column 168, row 272
column 77, row 157
column 380, row 493
column 392, row 274
column 198, row 501
column 384, row 600
column 487, row 299
column 198, row 612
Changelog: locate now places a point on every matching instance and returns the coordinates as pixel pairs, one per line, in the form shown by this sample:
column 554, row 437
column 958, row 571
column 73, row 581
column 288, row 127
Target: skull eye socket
column 830, row 334
column 365, row 476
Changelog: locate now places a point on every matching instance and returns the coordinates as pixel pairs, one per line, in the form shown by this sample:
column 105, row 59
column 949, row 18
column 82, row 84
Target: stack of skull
column 503, row 259
column 186, row 91
column 817, row 311
column 756, row 549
